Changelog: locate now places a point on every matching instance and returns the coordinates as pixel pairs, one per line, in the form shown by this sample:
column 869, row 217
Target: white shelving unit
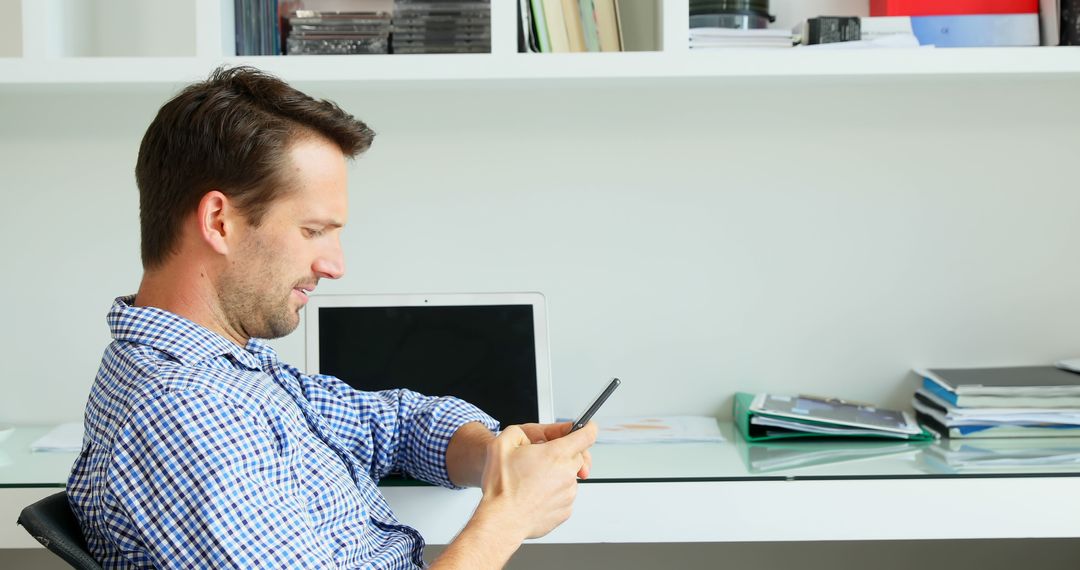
column 58, row 48
column 737, row 63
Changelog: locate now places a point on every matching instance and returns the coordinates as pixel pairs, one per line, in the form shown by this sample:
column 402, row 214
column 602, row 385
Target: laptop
column 489, row 349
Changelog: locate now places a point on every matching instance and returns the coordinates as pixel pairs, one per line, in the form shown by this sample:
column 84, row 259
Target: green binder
column 742, row 414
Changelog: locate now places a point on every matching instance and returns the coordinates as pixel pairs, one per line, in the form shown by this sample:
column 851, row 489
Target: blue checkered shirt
column 201, row 454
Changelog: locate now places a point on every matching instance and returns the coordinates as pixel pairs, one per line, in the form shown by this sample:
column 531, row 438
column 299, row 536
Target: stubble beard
column 257, row 311
column 250, row 301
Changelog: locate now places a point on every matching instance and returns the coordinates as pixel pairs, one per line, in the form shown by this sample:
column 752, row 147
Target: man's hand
column 468, row 450
column 530, row 480
column 540, row 433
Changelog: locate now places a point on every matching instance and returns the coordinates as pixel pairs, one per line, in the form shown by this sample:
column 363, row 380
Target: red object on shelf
column 951, row 7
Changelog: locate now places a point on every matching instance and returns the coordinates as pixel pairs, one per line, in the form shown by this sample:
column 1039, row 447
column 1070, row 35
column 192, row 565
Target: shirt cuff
column 448, row 415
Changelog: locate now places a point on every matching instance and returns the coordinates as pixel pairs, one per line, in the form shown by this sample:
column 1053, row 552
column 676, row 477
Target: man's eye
column 312, row 233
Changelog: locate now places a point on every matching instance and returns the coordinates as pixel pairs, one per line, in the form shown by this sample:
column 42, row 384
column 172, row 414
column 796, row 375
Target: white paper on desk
column 658, row 429
column 1072, row 364
column 62, row 438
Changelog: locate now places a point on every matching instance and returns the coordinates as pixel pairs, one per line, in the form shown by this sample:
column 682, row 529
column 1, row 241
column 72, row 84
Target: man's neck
column 189, row 293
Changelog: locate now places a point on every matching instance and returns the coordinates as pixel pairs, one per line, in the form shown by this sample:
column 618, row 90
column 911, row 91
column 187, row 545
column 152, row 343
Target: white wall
column 147, row 28
column 11, row 28
column 695, row 237
column 91, row 28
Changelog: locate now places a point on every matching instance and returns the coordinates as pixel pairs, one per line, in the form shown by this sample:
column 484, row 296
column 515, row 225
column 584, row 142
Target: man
column 201, row 448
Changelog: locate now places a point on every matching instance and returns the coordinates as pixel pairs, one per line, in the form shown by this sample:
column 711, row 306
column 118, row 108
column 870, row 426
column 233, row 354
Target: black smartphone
column 599, row 401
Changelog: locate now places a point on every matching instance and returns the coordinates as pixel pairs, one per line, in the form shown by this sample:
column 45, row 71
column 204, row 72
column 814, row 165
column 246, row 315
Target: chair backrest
column 52, row 523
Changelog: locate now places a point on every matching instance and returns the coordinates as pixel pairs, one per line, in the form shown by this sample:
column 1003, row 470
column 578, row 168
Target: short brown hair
column 229, row 133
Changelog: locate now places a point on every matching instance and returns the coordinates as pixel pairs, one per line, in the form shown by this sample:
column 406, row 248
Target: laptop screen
column 483, row 354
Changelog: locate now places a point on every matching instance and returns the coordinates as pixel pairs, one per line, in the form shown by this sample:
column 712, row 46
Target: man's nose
column 330, row 265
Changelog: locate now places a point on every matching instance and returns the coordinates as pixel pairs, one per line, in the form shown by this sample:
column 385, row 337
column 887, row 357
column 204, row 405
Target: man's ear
column 215, row 217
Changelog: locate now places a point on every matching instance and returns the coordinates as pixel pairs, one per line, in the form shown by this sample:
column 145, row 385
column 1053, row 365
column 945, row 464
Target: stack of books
column 548, row 26
column 960, row 23
column 1024, row 401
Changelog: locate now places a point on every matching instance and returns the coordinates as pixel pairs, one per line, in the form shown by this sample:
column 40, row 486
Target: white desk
column 719, row 493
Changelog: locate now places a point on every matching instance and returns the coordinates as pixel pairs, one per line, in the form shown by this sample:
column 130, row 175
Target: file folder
column 743, row 414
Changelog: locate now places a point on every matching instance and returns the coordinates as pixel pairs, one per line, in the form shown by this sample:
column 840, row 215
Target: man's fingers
column 539, row 433
column 555, row 431
column 514, row 436
column 579, row 440
column 568, row 444
column 586, row 465
column 535, row 432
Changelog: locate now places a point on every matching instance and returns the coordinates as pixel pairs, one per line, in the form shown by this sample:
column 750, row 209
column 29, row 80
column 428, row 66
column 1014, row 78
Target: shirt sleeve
column 394, row 430
column 203, row 487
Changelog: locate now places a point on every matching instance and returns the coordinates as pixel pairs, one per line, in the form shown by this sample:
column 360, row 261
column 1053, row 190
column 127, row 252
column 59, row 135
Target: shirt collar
column 187, row 342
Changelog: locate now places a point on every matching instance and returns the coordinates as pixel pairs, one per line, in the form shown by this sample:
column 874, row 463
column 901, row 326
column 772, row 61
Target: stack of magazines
column 1021, row 401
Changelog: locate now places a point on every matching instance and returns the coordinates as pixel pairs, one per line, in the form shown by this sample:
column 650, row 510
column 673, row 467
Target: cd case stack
column 340, row 33
column 442, row 26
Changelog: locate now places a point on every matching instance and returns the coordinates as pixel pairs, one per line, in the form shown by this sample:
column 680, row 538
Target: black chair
column 52, row 523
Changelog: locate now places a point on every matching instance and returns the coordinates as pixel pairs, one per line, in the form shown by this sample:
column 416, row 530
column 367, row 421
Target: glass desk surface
column 731, row 460
column 20, row 467
column 736, row 459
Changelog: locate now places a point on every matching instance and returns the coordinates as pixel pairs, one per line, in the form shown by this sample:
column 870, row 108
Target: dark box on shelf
column 832, row 29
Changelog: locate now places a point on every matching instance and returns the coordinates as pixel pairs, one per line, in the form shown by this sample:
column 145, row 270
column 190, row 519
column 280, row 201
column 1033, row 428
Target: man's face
column 274, row 267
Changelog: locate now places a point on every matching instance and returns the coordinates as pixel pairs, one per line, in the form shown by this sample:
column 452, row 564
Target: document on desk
column 1071, row 364
column 64, row 438
column 658, row 429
